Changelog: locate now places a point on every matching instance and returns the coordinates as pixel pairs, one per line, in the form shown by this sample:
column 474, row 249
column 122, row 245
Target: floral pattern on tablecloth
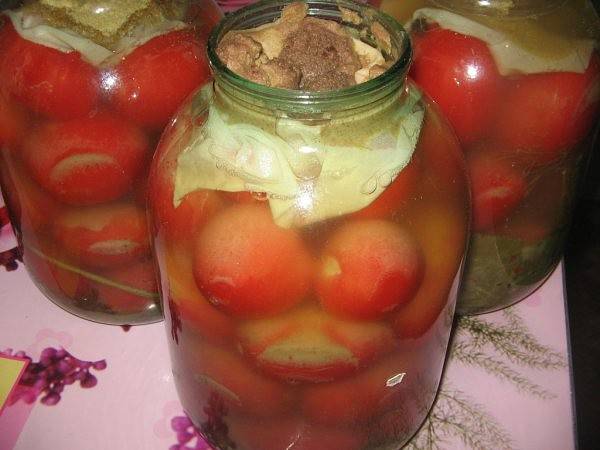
column 47, row 377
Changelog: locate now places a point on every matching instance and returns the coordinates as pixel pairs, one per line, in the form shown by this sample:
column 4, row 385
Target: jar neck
column 501, row 7
column 266, row 100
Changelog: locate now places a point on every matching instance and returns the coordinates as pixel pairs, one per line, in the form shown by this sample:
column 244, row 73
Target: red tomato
column 31, row 207
column 179, row 287
column 543, row 114
column 140, row 276
column 13, row 121
column 530, row 231
column 460, row 74
column 366, row 340
column 47, row 81
column 240, row 197
column 104, row 236
column 417, row 317
column 309, row 345
column 395, row 195
column 184, row 221
column 358, row 399
column 368, row 268
column 442, row 233
column 5, row 34
column 208, row 370
column 497, row 189
column 292, row 433
column 194, row 211
column 153, row 80
column 140, row 189
column 248, row 266
column 443, row 158
column 547, row 205
column 205, row 16
column 86, row 161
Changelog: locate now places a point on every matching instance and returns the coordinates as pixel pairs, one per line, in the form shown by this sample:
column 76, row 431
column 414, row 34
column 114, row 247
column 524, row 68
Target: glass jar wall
column 86, row 88
column 519, row 81
column 309, row 246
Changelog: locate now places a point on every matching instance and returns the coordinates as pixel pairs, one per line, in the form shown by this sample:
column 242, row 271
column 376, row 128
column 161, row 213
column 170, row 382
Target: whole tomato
column 45, row 80
column 368, row 268
column 154, row 79
column 542, row 115
column 460, row 74
column 249, row 266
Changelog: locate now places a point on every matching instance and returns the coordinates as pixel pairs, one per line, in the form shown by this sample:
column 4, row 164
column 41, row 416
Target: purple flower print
column 48, row 377
column 188, row 438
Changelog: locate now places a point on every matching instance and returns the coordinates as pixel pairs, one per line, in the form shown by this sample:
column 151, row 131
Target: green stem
column 94, row 277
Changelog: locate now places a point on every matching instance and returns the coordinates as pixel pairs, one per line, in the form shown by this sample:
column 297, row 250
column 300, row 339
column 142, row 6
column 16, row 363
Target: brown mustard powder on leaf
column 281, row 74
column 300, row 52
column 103, row 22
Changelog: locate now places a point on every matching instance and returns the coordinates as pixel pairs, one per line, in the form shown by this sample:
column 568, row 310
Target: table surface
column 507, row 384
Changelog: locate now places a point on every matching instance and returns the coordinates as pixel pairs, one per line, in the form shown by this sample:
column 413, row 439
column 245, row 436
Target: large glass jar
column 309, row 245
column 519, row 81
column 86, row 88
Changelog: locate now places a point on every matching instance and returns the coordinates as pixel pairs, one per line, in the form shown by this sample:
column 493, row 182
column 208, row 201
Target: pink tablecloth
column 507, row 385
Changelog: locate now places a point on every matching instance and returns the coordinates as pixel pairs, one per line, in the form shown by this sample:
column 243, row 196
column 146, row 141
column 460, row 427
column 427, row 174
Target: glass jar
column 309, row 246
column 86, row 88
column 519, row 81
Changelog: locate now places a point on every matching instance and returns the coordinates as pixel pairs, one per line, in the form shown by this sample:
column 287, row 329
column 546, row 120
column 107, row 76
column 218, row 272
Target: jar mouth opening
column 267, row 11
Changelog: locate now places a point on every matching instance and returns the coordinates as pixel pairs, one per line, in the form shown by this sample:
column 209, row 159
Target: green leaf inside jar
column 501, row 269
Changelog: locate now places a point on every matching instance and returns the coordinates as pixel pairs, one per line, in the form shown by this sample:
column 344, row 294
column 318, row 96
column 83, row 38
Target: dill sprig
column 501, row 346
column 455, row 416
column 511, row 339
column 495, row 366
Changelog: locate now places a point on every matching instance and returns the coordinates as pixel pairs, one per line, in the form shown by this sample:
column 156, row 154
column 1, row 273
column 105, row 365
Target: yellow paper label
column 10, row 372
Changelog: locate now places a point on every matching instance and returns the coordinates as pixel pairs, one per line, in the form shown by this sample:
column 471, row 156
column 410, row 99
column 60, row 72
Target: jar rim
column 359, row 94
column 502, row 8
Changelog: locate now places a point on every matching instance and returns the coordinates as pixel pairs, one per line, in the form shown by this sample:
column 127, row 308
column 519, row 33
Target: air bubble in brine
column 369, row 186
column 308, row 169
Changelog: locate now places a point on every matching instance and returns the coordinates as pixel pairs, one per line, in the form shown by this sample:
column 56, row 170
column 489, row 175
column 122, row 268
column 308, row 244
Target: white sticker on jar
column 510, row 57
